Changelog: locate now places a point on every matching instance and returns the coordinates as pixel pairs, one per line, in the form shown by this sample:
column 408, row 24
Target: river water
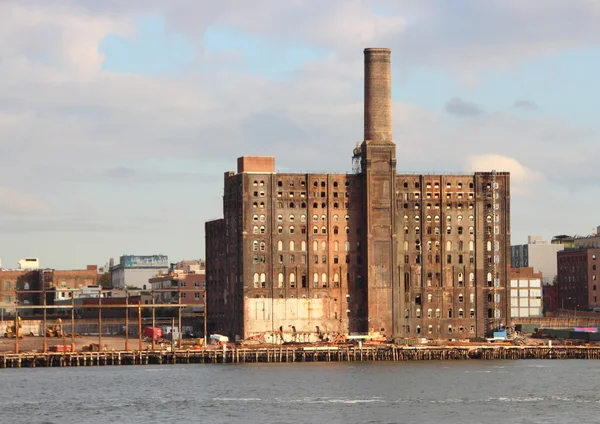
column 411, row 392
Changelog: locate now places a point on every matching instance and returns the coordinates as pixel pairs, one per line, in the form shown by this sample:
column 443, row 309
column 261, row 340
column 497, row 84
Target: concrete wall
column 541, row 257
column 305, row 314
column 136, row 277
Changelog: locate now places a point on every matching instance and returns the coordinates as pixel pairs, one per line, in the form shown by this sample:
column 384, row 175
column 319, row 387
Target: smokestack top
column 382, row 50
column 378, row 96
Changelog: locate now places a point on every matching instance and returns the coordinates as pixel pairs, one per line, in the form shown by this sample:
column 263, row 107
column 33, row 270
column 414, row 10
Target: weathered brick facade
column 23, row 286
column 309, row 256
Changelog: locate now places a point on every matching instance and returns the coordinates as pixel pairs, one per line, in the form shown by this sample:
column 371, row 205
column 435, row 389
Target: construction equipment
column 55, row 330
column 340, row 338
column 257, row 339
column 15, row 329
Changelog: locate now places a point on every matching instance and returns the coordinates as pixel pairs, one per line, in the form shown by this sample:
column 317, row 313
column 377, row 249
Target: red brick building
column 577, row 278
column 402, row 254
column 24, row 286
column 550, row 298
column 170, row 288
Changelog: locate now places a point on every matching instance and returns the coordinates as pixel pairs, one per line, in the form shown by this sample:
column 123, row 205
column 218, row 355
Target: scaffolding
column 133, row 316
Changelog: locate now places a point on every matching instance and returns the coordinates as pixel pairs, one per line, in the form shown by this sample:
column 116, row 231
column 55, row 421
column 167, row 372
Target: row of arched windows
column 459, row 280
column 438, row 313
column 315, row 247
column 318, row 280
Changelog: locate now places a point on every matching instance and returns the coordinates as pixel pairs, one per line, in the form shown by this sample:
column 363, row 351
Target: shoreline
column 387, row 353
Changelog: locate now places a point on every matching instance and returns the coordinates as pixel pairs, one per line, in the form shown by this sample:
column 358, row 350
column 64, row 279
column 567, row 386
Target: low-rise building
column 538, row 254
column 195, row 266
column 25, row 287
column 29, row 263
column 133, row 271
column 525, row 292
column 86, row 302
column 179, row 288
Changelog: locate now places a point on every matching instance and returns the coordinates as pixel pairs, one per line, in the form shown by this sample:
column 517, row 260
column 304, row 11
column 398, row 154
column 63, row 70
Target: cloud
column 459, row 107
column 16, row 202
column 85, row 135
column 526, row 105
column 521, row 177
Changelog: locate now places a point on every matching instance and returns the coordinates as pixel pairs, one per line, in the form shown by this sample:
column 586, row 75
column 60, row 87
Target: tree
column 105, row 281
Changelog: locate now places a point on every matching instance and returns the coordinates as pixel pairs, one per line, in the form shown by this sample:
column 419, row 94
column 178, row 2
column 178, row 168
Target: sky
column 119, row 118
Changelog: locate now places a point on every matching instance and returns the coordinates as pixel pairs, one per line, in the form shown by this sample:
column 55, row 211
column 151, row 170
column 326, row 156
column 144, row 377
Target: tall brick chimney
column 378, row 96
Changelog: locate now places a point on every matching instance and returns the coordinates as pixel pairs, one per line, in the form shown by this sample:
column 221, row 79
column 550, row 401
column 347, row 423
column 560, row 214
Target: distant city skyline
column 117, row 119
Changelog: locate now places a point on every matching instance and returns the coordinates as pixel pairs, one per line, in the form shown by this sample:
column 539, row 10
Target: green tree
column 105, row 280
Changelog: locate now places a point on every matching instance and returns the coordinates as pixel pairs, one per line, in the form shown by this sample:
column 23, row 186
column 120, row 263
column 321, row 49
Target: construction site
column 142, row 340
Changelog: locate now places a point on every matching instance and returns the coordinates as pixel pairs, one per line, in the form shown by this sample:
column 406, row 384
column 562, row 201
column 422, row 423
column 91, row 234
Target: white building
column 135, row 271
column 29, row 263
column 525, row 293
column 538, row 254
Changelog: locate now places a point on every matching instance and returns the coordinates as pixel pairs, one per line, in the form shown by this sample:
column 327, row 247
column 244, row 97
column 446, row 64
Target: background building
column 23, row 286
column 29, row 263
column 577, row 278
column 526, row 296
column 134, row 271
column 592, row 240
column 404, row 255
column 538, row 254
column 86, row 298
column 179, row 286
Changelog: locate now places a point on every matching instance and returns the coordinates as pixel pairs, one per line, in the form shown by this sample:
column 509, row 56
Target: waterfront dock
column 294, row 354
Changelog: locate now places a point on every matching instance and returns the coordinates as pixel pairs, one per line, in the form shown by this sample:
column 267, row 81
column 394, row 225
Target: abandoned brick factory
column 308, row 256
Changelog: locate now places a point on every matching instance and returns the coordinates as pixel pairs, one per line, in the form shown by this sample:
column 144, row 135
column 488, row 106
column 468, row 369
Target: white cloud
column 521, row 177
column 56, row 42
column 66, row 124
column 16, row 202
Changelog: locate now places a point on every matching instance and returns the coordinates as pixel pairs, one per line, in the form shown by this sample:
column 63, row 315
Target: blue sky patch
column 153, row 50
column 260, row 55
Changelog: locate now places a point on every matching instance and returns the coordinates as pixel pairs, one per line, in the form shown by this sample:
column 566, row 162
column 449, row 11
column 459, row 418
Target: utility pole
column 205, row 316
column 45, row 325
column 179, row 319
column 72, row 320
column 153, row 323
column 100, row 320
column 126, row 320
column 140, row 324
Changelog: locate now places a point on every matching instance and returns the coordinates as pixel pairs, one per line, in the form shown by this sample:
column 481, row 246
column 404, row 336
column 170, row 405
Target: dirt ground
column 34, row 343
